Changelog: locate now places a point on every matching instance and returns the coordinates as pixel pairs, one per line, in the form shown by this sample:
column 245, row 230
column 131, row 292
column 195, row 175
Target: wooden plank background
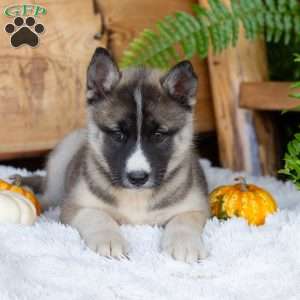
column 246, row 139
column 42, row 89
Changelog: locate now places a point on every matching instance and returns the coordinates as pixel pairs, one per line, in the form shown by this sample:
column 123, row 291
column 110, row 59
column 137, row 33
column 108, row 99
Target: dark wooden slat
column 23, row 154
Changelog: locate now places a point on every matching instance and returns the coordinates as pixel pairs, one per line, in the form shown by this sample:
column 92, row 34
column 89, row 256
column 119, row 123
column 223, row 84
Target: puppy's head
column 139, row 120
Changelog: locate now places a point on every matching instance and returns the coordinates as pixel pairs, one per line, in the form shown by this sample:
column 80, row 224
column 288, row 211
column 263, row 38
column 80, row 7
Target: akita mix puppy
column 134, row 163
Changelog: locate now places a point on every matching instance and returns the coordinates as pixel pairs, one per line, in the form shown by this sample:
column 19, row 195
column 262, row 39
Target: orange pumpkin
column 242, row 200
column 17, row 188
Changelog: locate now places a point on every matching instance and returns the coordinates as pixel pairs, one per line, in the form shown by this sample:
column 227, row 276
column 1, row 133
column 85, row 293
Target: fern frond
column 182, row 35
column 292, row 156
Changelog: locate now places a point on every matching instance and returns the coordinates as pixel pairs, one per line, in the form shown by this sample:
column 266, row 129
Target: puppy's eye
column 159, row 136
column 118, row 136
column 114, row 133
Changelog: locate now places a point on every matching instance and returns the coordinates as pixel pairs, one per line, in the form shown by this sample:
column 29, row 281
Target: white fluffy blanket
column 50, row 261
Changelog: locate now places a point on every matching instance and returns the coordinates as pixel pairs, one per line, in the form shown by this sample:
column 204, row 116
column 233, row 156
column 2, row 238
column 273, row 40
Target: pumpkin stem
column 17, row 180
column 243, row 183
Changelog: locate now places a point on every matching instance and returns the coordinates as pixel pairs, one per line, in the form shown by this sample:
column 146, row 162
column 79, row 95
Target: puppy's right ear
column 102, row 75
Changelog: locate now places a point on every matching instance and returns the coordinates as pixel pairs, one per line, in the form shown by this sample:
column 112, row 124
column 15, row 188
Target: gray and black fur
column 134, row 163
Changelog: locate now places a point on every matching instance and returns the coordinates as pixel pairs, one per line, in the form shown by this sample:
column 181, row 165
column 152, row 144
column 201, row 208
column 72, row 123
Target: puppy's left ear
column 181, row 83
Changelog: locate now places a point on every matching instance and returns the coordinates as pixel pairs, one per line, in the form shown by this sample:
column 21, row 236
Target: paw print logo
column 24, row 32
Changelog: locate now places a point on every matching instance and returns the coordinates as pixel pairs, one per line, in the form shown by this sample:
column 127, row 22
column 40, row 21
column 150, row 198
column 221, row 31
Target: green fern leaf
column 217, row 26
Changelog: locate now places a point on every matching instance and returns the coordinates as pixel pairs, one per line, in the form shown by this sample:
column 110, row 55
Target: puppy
column 134, row 163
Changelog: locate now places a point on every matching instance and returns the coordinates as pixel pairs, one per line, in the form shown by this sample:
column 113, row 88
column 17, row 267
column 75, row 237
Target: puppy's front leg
column 99, row 230
column 182, row 239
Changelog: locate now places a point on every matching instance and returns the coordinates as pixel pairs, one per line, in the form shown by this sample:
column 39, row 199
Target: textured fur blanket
column 50, row 261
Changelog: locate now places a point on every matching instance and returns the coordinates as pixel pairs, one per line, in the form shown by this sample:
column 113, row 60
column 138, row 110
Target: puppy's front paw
column 108, row 243
column 184, row 246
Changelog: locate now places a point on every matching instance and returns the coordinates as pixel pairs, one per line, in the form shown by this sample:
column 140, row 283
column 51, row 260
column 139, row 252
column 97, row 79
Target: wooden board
column 246, row 139
column 125, row 19
column 270, row 96
column 19, row 155
column 42, row 89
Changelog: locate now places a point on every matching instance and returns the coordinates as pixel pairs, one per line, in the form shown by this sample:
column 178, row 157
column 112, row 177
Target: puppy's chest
column 130, row 207
column 135, row 208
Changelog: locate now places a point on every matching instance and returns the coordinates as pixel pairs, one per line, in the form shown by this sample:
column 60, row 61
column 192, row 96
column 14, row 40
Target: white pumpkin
column 16, row 209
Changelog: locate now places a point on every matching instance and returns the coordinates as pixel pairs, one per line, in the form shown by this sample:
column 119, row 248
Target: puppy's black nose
column 138, row 178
